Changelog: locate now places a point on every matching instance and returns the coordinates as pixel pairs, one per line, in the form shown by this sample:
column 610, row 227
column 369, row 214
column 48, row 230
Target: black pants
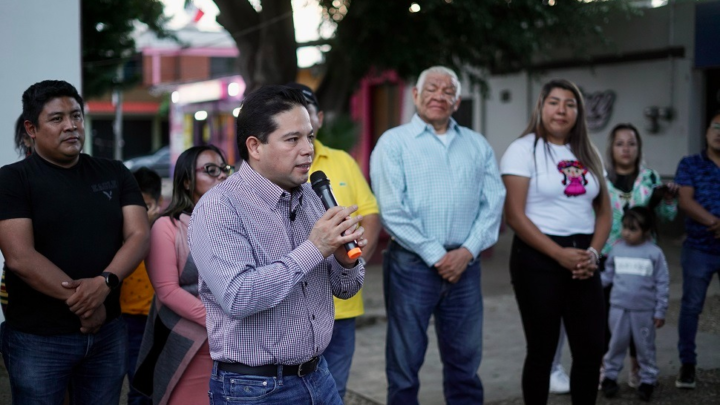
column 547, row 294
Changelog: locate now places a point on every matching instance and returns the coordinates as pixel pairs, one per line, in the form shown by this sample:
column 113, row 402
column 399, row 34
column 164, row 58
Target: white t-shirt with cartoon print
column 561, row 191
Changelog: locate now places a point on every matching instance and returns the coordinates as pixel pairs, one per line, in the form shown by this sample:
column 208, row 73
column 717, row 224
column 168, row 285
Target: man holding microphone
column 270, row 259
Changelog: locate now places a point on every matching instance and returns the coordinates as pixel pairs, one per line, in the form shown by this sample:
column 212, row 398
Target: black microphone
column 321, row 186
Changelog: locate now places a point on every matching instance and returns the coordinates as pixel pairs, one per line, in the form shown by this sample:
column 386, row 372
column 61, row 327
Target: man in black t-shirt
column 71, row 228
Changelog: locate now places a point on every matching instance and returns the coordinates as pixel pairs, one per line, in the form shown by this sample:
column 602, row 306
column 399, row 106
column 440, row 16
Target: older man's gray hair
column 442, row 70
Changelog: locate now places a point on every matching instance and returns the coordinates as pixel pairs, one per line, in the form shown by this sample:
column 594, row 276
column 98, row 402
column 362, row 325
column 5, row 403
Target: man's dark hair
column 712, row 117
column 258, row 111
column 37, row 95
column 23, row 142
column 149, row 182
column 307, row 92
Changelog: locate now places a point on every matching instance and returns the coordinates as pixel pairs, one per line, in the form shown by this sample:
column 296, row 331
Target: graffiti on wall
column 599, row 107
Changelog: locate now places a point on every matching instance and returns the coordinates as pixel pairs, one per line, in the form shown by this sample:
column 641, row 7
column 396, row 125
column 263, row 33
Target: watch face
column 111, row 279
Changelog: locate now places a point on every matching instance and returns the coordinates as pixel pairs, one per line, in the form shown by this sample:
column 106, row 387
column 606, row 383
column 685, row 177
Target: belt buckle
column 307, row 367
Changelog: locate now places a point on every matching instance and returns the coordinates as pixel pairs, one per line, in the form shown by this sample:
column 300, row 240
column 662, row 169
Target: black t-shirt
column 77, row 224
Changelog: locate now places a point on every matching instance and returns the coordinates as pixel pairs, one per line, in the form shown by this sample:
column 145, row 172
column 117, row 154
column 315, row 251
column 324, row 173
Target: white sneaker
column 634, row 378
column 559, row 381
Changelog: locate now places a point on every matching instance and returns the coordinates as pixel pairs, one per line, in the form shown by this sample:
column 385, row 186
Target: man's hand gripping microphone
column 321, row 186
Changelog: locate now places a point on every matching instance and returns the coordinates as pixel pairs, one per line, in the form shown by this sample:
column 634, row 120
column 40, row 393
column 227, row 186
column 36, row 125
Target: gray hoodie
column 640, row 279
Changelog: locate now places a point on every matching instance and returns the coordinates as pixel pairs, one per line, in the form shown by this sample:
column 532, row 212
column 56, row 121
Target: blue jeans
column 413, row 293
column 135, row 330
column 42, row 368
column 318, row 388
column 339, row 352
column 698, row 270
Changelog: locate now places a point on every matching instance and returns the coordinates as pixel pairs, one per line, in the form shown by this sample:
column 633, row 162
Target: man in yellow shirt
column 136, row 293
column 350, row 187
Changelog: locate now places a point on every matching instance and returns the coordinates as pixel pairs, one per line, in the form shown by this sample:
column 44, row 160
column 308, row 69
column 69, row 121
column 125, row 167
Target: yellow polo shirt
column 350, row 187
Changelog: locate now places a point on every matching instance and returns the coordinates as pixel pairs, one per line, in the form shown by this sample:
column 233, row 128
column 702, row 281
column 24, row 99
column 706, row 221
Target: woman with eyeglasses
column 175, row 364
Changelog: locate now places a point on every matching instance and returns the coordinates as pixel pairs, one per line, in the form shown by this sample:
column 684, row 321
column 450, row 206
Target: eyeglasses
column 214, row 170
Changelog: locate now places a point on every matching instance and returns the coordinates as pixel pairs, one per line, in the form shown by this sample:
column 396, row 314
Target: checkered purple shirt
column 267, row 289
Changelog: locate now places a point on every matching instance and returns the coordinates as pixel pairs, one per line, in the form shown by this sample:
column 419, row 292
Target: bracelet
column 594, row 253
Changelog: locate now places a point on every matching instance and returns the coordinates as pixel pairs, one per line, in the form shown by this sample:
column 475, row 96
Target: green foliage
column 107, row 42
column 339, row 133
column 496, row 36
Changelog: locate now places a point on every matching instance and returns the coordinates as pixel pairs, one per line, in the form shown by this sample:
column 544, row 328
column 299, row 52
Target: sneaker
column 609, row 387
column 645, row 391
column 559, row 381
column 634, row 378
column 686, row 378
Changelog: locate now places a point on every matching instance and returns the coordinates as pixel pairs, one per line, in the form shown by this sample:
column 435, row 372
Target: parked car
column 158, row 161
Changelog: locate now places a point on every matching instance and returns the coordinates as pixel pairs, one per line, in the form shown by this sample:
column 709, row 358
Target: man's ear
column 253, row 146
column 457, row 104
column 30, row 129
column 321, row 117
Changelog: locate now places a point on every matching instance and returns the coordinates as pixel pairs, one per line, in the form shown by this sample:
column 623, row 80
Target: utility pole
column 117, row 98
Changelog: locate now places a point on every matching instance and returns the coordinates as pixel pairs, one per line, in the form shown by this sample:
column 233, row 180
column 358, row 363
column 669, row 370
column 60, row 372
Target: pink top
column 165, row 267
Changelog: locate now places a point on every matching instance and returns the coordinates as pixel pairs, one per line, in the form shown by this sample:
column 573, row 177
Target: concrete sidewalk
column 504, row 341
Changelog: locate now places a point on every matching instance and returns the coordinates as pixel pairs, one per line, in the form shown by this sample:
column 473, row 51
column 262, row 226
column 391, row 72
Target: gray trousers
column 641, row 327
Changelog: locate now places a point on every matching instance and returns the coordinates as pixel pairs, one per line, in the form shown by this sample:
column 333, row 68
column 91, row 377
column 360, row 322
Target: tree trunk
column 265, row 40
column 337, row 85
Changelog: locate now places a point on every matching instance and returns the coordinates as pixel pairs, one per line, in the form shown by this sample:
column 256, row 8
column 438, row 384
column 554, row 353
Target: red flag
column 193, row 11
column 198, row 15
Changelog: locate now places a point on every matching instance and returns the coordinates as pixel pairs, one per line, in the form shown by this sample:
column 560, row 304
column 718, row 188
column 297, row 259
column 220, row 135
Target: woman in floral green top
column 631, row 184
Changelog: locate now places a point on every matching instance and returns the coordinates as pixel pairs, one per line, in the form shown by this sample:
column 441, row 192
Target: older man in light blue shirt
column 440, row 197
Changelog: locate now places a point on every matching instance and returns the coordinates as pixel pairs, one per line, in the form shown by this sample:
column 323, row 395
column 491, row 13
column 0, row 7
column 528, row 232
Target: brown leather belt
column 301, row 370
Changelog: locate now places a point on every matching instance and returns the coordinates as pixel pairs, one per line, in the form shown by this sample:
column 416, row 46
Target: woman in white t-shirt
column 557, row 203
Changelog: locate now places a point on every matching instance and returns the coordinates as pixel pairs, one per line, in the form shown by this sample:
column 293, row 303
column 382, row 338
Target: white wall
column 661, row 82
column 503, row 122
column 40, row 40
column 637, row 86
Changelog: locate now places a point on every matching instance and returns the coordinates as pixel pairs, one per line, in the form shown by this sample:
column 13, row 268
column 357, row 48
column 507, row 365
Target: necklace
column 625, row 198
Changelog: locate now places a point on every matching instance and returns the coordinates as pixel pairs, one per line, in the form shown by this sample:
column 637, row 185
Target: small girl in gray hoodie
column 638, row 271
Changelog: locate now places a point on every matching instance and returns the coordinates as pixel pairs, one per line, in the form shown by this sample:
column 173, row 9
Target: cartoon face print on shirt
column 573, row 177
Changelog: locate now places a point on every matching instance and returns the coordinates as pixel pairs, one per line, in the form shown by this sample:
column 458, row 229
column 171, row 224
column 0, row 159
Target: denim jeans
column 135, row 331
column 318, row 388
column 42, row 368
column 698, row 270
column 413, row 293
column 339, row 352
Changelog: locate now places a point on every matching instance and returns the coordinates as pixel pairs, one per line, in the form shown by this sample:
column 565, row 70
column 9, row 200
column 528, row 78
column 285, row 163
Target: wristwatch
column 111, row 280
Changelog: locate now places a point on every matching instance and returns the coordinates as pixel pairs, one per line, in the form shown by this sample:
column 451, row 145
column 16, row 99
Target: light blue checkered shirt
column 433, row 196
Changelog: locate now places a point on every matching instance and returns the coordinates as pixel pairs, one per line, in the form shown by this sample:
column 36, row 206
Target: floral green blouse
column 640, row 195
